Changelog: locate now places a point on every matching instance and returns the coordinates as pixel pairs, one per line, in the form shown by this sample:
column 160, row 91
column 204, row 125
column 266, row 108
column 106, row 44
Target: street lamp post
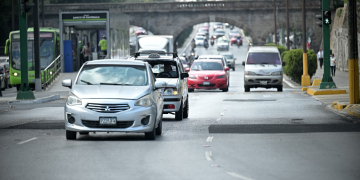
column 305, row 78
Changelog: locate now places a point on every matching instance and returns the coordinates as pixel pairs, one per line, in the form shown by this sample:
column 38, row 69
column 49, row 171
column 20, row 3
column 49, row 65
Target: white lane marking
column 208, row 155
column 238, row 176
column 27, row 140
column 266, row 95
column 209, row 139
column 218, row 119
column 222, row 114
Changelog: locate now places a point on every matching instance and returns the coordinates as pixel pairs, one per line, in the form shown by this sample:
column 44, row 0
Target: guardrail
column 50, row 72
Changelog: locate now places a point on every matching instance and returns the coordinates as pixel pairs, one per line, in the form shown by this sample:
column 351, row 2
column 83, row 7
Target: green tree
column 294, row 63
column 5, row 21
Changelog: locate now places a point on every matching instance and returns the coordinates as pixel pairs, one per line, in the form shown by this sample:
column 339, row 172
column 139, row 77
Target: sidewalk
column 338, row 103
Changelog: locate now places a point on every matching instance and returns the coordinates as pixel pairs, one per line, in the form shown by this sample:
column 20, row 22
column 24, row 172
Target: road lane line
column 238, row 176
column 208, row 155
column 222, row 114
column 209, row 139
column 218, row 119
column 27, row 140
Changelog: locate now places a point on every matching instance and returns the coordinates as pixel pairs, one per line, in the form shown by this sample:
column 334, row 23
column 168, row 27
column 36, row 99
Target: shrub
column 294, row 63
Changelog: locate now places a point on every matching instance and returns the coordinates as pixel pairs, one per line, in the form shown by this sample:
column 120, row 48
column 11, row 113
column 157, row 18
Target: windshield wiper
column 88, row 83
column 126, row 84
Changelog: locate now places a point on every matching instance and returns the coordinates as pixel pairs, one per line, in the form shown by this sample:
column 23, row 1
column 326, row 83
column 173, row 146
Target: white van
column 263, row 68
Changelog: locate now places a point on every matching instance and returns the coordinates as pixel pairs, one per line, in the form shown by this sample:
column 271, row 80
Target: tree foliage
column 294, row 63
column 5, row 21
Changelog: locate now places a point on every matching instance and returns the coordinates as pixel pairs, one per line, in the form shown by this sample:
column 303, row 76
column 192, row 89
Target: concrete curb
column 39, row 100
column 290, row 83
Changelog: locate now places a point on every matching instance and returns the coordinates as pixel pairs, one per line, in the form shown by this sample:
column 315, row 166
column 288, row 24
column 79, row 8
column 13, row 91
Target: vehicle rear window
column 263, row 58
column 128, row 75
column 207, row 66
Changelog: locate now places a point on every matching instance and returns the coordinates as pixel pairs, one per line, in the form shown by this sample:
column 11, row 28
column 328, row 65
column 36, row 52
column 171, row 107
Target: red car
column 208, row 74
column 140, row 31
column 233, row 40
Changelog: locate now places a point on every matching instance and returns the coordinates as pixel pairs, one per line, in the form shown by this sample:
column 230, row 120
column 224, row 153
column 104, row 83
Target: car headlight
column 277, row 73
column 73, row 100
column 144, row 101
column 192, row 77
column 170, row 91
column 250, row 73
column 15, row 74
column 220, row 77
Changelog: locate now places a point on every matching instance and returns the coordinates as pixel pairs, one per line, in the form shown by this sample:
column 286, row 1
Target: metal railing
column 50, row 72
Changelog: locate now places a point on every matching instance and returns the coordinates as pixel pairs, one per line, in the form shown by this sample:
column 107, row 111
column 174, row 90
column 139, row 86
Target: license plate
column 108, row 121
column 206, row 83
column 263, row 82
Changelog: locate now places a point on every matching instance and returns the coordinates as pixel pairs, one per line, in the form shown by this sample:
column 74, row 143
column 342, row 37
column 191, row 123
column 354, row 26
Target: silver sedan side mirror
column 67, row 83
column 160, row 84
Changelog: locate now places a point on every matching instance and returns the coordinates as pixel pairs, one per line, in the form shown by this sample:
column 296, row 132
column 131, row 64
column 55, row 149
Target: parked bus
column 49, row 56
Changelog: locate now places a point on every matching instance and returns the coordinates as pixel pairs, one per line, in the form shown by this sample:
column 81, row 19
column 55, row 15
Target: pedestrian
column 103, row 45
column 86, row 52
column 332, row 64
column 293, row 46
column 320, row 57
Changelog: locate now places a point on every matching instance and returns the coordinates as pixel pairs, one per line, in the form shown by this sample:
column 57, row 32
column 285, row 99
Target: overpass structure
column 171, row 18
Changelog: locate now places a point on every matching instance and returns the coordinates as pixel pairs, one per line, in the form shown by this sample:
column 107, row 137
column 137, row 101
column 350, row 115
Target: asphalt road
column 262, row 134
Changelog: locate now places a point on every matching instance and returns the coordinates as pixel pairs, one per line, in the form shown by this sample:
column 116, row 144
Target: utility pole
column 275, row 22
column 42, row 13
column 327, row 81
column 287, row 26
column 12, row 16
column 305, row 78
column 353, row 62
column 37, row 46
column 24, row 91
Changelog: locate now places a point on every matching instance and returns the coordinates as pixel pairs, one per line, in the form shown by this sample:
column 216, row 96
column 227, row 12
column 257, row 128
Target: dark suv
column 169, row 68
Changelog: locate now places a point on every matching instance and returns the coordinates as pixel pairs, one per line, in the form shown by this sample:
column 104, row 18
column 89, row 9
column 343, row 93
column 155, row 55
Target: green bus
column 49, row 56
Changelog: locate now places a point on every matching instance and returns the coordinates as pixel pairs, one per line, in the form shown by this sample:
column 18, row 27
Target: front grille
column 201, row 85
column 107, row 108
column 96, row 124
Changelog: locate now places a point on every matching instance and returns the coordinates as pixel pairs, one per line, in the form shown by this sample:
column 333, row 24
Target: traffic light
column 327, row 17
column 25, row 6
column 334, row 4
column 319, row 16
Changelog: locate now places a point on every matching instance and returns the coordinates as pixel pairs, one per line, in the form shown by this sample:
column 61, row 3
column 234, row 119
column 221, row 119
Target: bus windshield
column 46, row 54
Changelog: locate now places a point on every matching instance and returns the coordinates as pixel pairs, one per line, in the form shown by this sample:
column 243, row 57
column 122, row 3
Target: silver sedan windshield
column 129, row 75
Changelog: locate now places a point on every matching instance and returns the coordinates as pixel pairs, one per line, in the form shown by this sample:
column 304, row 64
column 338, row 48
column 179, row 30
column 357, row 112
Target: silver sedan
column 114, row 96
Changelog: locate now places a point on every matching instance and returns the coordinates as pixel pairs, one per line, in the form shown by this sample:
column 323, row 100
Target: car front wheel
column 151, row 135
column 186, row 109
column 179, row 114
column 70, row 135
column 247, row 88
column 158, row 130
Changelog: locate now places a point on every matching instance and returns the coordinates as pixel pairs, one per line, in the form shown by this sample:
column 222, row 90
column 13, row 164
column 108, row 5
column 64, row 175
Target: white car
column 114, row 96
column 199, row 40
column 222, row 44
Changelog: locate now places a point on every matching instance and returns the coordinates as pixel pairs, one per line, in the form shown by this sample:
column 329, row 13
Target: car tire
column 280, row 88
column 158, row 130
column 225, row 89
column 179, row 114
column 70, row 135
column 151, row 135
column 186, row 108
column 233, row 68
column 247, row 88
column 191, row 90
column 17, row 87
column 84, row 133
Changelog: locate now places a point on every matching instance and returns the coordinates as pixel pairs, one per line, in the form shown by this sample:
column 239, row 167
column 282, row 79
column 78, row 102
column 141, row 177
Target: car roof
column 226, row 53
column 210, row 56
column 263, row 49
column 207, row 60
column 115, row 62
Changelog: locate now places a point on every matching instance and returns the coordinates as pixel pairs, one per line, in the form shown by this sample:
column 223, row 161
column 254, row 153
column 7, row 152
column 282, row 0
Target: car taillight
column 171, row 106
